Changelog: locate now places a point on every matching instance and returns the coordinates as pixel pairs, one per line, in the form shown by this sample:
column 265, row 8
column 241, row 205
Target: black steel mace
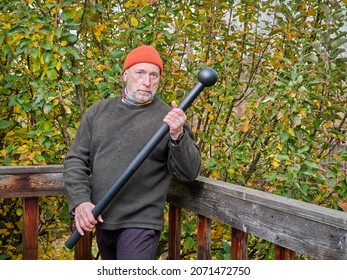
column 207, row 77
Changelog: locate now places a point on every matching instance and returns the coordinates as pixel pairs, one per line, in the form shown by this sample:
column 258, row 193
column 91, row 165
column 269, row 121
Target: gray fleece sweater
column 109, row 137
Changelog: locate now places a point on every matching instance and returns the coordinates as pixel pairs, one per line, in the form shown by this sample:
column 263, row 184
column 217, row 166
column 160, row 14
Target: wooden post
column 83, row 247
column 204, row 238
column 239, row 245
column 282, row 253
column 30, row 228
column 174, row 232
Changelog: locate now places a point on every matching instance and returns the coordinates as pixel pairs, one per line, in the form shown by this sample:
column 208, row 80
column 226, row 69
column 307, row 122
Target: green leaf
column 311, row 164
column 284, row 136
column 116, row 54
column 72, row 38
column 282, row 157
column 67, row 14
column 76, row 80
column 38, row 157
column 5, row 257
column 73, row 52
column 211, row 163
column 103, row 86
column 42, row 20
column 303, row 149
column 311, row 57
column 27, row 106
column 46, row 45
column 302, row 187
column 6, row 50
column 67, row 3
column 338, row 43
column 52, row 74
column 47, row 108
column 4, row 124
column 47, row 55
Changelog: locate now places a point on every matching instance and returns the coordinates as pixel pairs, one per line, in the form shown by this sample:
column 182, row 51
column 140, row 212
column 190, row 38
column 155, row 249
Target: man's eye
column 154, row 76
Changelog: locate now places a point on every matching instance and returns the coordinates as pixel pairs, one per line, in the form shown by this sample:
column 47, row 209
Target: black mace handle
column 207, row 77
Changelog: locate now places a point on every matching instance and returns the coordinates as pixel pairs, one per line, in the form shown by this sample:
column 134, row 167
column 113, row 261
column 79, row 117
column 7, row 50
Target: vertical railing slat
column 30, row 228
column 83, row 247
column 204, row 238
column 174, row 232
column 282, row 253
column 239, row 245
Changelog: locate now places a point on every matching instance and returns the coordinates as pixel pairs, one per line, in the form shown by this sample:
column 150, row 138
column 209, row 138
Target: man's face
column 142, row 81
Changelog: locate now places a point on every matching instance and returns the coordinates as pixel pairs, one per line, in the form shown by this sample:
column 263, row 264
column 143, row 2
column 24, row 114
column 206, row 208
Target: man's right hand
column 84, row 219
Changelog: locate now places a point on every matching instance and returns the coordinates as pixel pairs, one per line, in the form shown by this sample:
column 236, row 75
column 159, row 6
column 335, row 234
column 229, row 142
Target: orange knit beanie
column 143, row 53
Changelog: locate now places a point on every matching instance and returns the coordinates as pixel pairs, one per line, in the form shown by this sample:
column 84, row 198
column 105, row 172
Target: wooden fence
column 293, row 226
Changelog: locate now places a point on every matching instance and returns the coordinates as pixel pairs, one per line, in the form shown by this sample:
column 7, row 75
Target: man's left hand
column 175, row 119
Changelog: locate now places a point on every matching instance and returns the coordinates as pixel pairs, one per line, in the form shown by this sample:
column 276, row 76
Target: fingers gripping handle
column 206, row 78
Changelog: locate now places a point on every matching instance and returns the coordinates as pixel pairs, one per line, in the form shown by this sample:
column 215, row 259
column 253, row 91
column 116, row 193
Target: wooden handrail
column 293, row 226
column 307, row 229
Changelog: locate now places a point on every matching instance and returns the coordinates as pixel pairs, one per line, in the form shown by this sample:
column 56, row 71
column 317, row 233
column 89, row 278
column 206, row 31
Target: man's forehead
column 145, row 66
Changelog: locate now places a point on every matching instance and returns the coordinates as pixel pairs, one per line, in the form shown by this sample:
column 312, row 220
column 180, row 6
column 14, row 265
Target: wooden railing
column 293, row 226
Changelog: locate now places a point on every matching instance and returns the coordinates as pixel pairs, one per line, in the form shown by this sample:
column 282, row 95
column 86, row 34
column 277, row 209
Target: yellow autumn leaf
column 209, row 108
column 291, row 131
column 215, row 174
column 101, row 67
column 9, row 225
column 10, row 133
column 246, row 126
column 231, row 171
column 311, row 12
column 275, row 163
column 123, row 26
column 128, row 4
column 329, row 124
column 134, row 22
column 98, row 80
column 58, row 65
column 202, row 11
column 54, row 10
column 32, row 156
column 55, row 102
column 23, row 149
column 303, row 112
column 19, row 211
column 98, row 29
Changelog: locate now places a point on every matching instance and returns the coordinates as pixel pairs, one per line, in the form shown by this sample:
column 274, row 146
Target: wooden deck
column 293, row 226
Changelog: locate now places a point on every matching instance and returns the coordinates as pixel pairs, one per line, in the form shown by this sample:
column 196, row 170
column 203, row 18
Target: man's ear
column 125, row 74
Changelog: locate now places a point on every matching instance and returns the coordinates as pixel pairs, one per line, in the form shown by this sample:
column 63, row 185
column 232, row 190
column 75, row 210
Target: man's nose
column 146, row 80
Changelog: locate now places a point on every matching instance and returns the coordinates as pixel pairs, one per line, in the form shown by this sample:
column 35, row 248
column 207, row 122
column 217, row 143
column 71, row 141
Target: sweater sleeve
column 184, row 159
column 77, row 166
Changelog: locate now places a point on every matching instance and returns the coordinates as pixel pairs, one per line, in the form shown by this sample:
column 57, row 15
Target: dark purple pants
column 128, row 243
